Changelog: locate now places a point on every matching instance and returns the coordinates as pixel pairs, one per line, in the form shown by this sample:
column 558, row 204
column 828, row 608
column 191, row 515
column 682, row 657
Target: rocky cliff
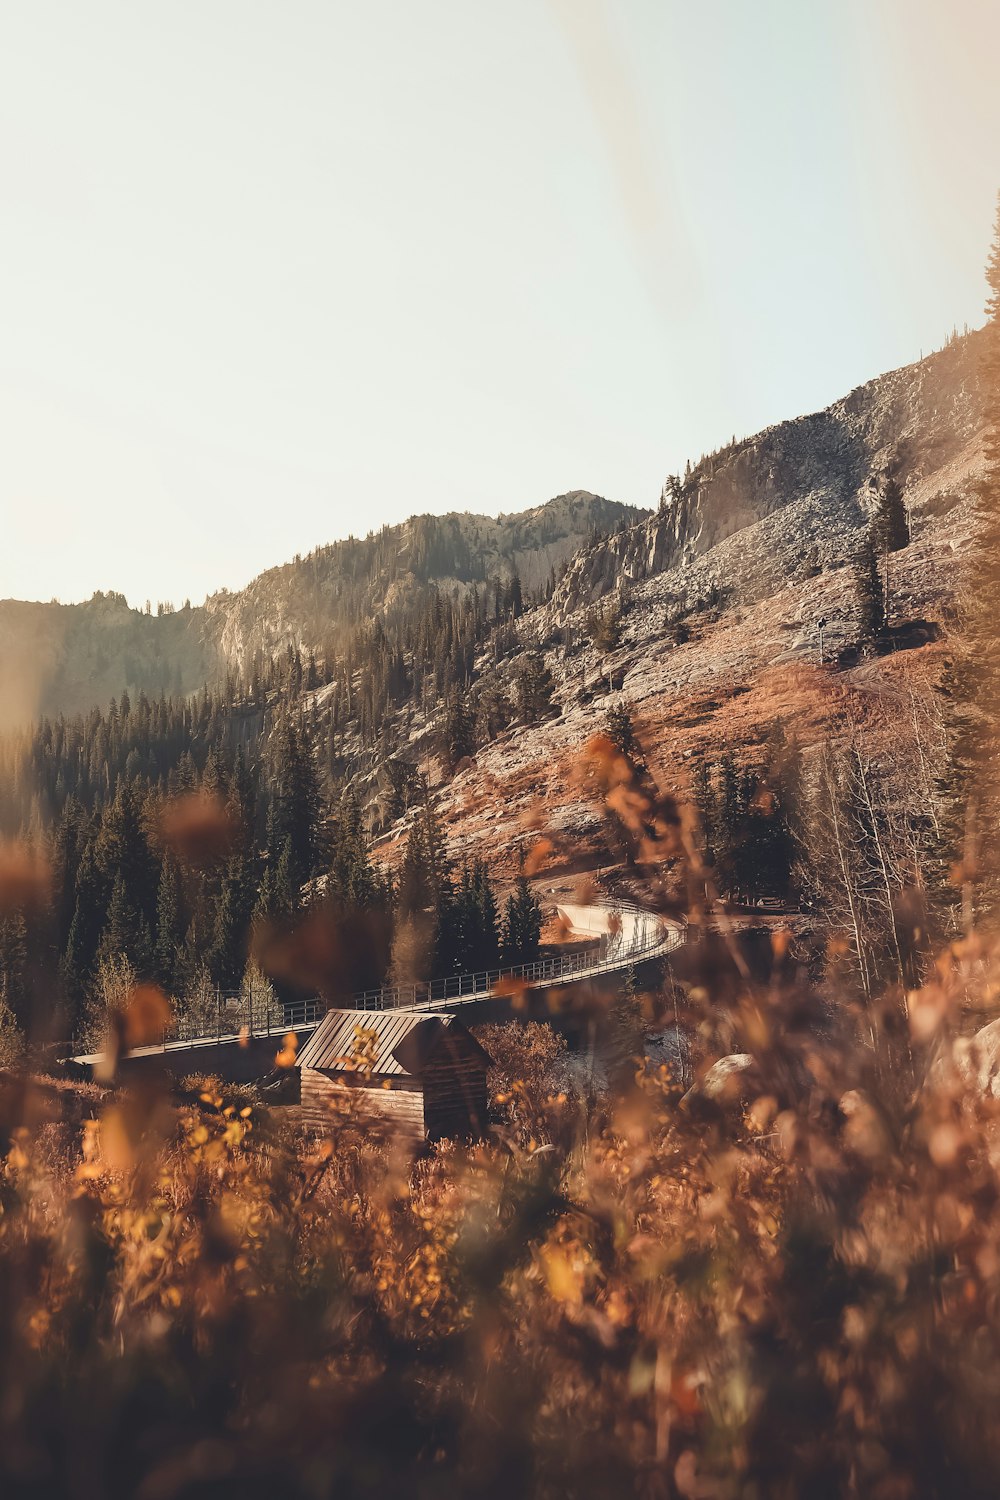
column 65, row 658
column 812, row 476
column 301, row 603
column 57, row 658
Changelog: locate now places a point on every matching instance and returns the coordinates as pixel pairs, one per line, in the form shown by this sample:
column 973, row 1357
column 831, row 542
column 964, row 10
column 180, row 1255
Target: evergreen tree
column 85, row 929
column 122, row 851
column 352, row 878
column 868, row 592
column 276, row 897
column 11, row 1038
column 295, row 804
column 459, row 732
column 728, row 823
column 535, row 689
column 125, row 933
column 620, row 730
column 522, row 924
column 487, row 954
column 891, row 524
column 475, row 942
column 71, row 838
column 169, row 923
column 415, row 891
column 227, row 955
column 973, row 791
column 401, row 782
column 13, row 965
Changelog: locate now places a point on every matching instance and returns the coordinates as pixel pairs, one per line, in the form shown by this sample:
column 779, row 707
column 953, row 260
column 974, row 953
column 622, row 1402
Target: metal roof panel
column 403, row 1039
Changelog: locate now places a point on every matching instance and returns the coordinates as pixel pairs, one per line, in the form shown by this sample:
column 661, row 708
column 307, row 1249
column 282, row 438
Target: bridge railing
column 611, row 952
column 234, row 1015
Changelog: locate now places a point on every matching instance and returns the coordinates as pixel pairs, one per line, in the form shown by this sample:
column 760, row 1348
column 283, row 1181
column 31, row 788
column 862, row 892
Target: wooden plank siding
column 402, row 1102
column 425, row 1073
column 454, row 1098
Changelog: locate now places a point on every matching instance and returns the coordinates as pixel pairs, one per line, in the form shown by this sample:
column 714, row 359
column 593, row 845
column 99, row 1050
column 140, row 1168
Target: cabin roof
column 401, row 1042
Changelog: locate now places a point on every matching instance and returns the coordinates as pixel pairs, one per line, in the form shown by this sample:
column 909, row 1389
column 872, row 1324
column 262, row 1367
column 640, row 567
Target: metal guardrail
column 236, row 1019
column 612, row 953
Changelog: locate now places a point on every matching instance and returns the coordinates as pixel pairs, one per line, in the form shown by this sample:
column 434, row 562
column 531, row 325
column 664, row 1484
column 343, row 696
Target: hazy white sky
column 275, row 271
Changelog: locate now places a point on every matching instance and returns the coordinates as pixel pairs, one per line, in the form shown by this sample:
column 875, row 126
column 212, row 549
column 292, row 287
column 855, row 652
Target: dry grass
column 791, row 1288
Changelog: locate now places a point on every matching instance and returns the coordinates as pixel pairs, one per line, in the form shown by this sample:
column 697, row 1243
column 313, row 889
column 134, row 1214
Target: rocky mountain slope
column 58, row 658
column 719, row 597
column 70, row 657
column 811, row 478
column 301, row 603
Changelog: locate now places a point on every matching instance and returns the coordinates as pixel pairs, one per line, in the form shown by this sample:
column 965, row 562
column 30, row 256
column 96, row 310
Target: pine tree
column 352, row 878
column 868, row 592
column 243, row 798
column 415, row 893
column 295, row 804
column 122, row 851
column 522, row 924
column 11, row 1038
column 977, row 715
column 71, row 838
column 535, row 689
column 487, row 918
column 125, row 933
column 277, row 896
column 401, row 780
column 459, row 732
column 169, row 924
column 891, row 524
column 620, row 730
column 85, row 929
column 13, row 963
column 227, row 955
column 728, row 830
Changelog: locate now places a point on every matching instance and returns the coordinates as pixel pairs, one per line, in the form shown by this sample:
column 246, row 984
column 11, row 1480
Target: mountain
column 714, row 605
column 57, row 658
column 70, row 657
column 797, row 493
column 384, row 574
column 701, row 621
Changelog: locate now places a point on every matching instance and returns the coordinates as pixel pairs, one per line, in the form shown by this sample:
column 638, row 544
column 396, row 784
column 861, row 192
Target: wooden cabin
column 422, row 1070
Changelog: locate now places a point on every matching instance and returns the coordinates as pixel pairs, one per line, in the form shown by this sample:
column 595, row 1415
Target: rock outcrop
column 812, row 475
column 57, row 658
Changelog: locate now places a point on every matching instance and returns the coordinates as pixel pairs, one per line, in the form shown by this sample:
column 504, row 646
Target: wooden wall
column 402, row 1102
column 455, row 1098
column 449, row 1100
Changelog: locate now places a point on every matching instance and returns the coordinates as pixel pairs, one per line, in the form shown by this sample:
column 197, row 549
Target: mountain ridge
column 805, row 484
column 66, row 658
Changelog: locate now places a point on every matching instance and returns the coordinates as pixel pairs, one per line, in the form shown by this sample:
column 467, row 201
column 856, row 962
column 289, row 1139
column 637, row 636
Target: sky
column 275, row 272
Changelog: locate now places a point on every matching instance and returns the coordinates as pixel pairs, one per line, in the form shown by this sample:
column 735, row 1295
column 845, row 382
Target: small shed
column 423, row 1070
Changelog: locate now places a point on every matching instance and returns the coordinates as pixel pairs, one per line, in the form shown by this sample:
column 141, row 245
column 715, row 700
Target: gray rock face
column 57, row 658
column 811, row 475
column 299, row 603
column 750, row 520
column 978, row 1059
